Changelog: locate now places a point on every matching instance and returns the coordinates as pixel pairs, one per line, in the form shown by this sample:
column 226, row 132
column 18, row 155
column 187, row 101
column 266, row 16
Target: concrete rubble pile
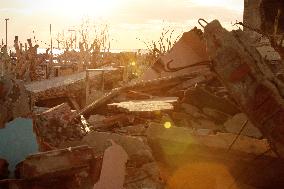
column 208, row 114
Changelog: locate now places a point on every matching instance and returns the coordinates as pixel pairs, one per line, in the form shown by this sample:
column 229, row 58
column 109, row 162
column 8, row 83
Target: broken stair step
column 149, row 105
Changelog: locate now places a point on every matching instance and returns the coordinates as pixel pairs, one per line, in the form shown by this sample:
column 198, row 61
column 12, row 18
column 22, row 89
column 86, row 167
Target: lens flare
column 167, row 125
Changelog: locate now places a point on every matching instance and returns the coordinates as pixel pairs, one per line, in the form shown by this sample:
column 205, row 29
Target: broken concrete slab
column 141, row 168
column 218, row 116
column 189, row 50
column 249, row 81
column 132, row 130
column 202, row 98
column 135, row 95
column 65, row 85
column 150, row 105
column 204, row 124
column 114, row 157
column 187, row 138
column 234, row 125
column 104, row 123
column 188, row 157
column 189, row 83
column 192, row 110
column 54, row 126
column 142, row 86
column 56, row 163
column 96, row 119
column 14, row 100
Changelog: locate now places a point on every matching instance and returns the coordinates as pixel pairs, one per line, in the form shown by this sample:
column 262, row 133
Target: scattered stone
column 234, row 125
column 187, row 138
column 55, row 163
column 249, row 79
column 202, row 98
column 218, row 116
column 54, row 127
column 192, row 110
column 204, row 124
column 14, row 100
column 114, row 157
column 141, row 168
column 96, row 119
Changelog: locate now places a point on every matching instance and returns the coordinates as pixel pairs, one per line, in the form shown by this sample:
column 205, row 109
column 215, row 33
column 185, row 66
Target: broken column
column 250, row 82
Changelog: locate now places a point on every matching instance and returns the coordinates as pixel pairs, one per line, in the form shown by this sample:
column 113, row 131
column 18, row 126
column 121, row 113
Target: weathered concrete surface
column 189, row 159
column 216, row 115
column 189, row 138
column 149, row 105
column 141, row 168
column 67, row 85
column 202, row 98
column 189, row 50
column 114, row 157
column 53, row 127
column 14, row 100
column 250, row 82
column 56, row 163
column 234, row 125
column 156, row 85
column 106, row 123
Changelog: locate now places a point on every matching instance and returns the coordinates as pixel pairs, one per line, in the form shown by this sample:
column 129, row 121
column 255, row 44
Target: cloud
column 174, row 11
column 130, row 18
column 16, row 11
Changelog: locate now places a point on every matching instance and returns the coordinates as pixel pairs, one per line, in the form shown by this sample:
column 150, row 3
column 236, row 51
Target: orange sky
column 127, row 19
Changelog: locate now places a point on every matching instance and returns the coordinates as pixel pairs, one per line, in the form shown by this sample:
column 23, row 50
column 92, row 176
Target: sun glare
column 231, row 4
column 167, row 125
column 77, row 8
